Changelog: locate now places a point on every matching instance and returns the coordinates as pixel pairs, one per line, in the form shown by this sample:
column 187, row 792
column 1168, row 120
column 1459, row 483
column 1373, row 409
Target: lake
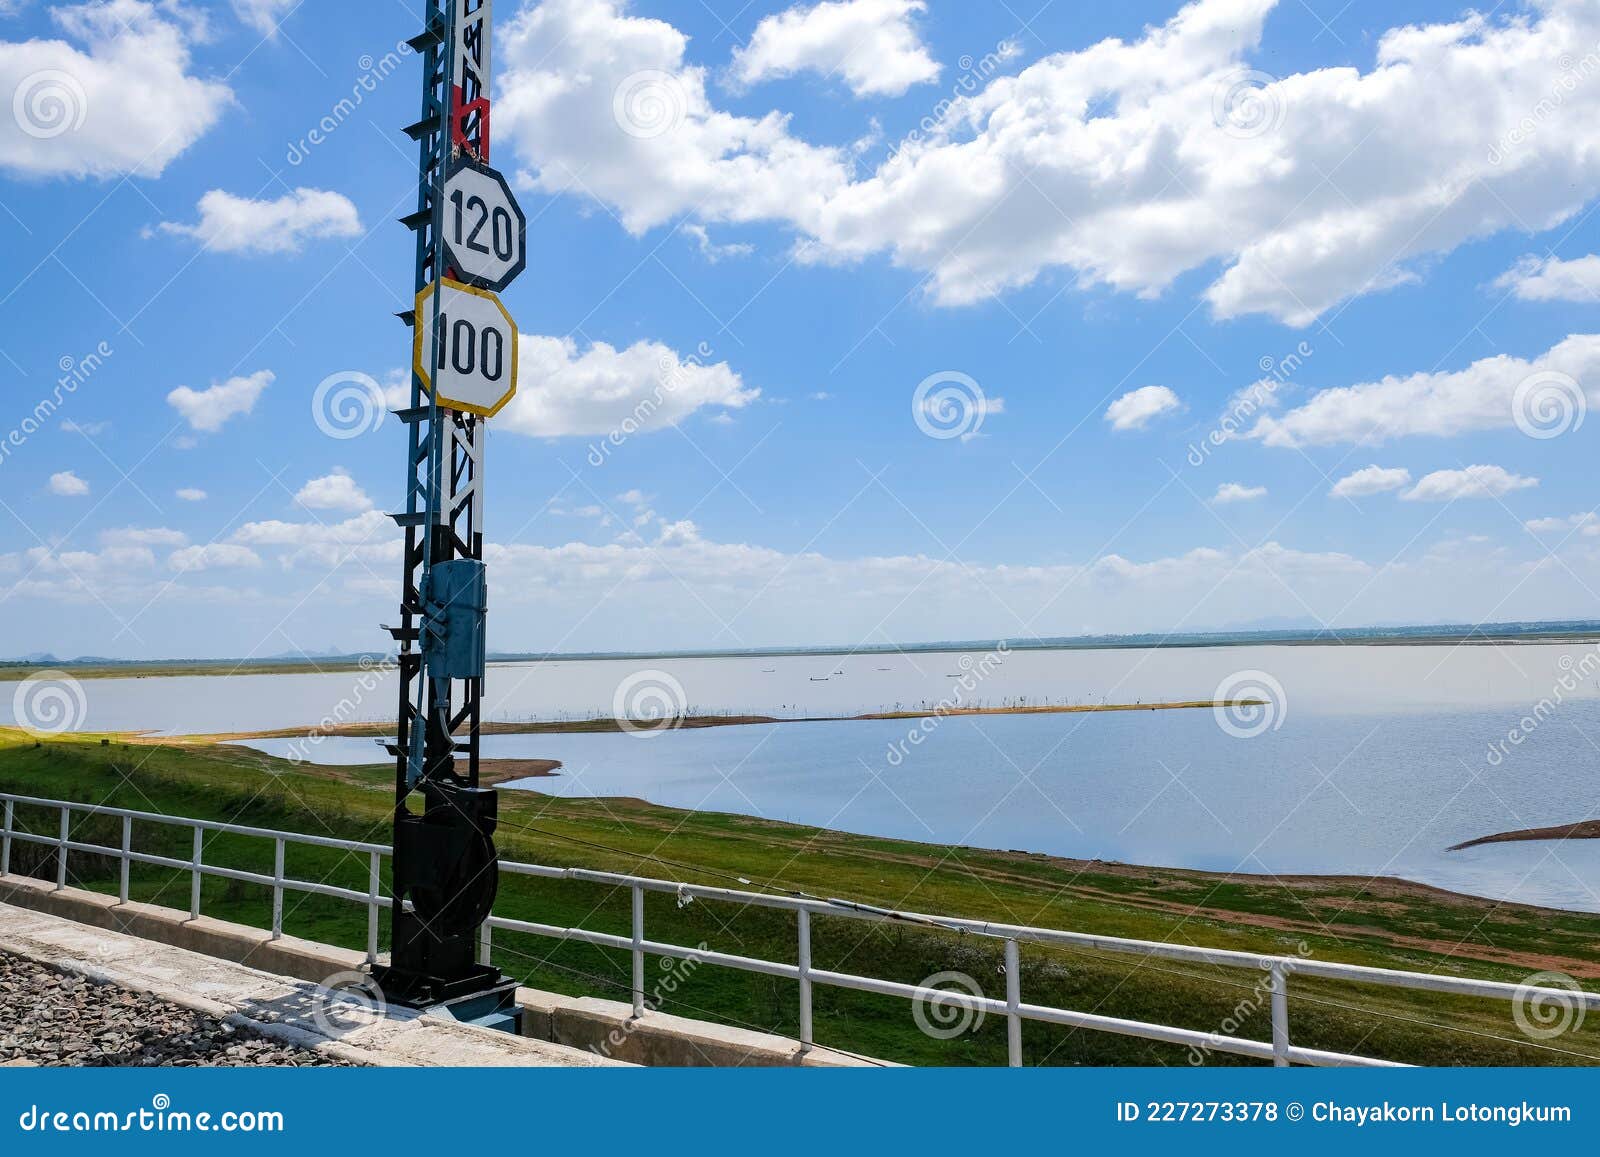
column 1364, row 760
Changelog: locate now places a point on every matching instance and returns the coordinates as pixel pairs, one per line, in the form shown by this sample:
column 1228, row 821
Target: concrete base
column 591, row 1030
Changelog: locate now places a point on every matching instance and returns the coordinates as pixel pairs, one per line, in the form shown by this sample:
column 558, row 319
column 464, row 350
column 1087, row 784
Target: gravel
column 53, row 1018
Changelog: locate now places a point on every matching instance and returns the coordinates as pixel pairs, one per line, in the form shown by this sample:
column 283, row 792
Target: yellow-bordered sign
column 476, row 369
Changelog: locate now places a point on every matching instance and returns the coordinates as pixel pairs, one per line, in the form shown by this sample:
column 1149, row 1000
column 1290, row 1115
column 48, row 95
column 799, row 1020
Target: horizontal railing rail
column 1278, row 969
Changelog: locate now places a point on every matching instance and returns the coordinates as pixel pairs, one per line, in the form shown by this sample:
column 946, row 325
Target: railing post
column 1278, row 982
column 372, row 908
column 127, row 852
column 61, row 849
column 277, row 888
column 638, row 951
column 194, row 874
column 5, row 842
column 807, row 1034
column 485, row 943
column 1013, row 1004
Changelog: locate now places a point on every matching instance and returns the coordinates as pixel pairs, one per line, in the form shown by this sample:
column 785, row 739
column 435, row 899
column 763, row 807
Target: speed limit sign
column 474, row 365
column 485, row 232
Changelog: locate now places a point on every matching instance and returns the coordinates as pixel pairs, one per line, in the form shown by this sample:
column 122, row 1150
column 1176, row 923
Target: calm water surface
column 1376, row 760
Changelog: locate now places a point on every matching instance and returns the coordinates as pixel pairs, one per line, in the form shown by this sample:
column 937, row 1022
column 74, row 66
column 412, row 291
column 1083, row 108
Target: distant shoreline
column 688, row 723
column 1493, row 634
column 1583, row 830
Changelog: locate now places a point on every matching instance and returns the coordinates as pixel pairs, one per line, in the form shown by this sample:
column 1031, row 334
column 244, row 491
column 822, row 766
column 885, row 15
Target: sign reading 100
column 474, row 367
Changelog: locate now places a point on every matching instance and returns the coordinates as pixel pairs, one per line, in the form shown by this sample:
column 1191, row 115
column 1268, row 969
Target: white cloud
column 1551, row 279
column 207, row 410
column 1484, row 396
column 1235, row 492
column 264, row 15
column 214, row 556
column 873, row 44
column 143, row 536
column 68, row 485
column 335, row 491
column 123, row 103
column 230, row 224
column 1126, row 163
column 191, row 494
column 709, row 249
column 1472, row 482
column 604, row 390
column 1137, row 409
column 599, row 103
column 1371, row 480
column 1587, row 524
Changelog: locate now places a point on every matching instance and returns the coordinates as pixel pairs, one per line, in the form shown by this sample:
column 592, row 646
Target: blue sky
column 755, row 231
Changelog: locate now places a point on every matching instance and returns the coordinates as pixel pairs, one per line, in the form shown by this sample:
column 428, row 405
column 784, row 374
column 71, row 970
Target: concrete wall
column 605, row 1027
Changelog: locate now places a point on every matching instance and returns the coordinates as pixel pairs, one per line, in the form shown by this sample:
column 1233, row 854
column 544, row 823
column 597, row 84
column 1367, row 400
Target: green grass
column 1383, row 923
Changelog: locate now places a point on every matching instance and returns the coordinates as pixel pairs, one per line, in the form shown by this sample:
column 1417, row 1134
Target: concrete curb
column 599, row 1030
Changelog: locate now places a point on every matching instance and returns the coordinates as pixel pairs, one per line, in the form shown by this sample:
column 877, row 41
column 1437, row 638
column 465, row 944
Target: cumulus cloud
column 264, row 15
column 119, row 101
column 230, row 224
column 874, row 45
column 1471, row 482
column 1490, row 394
column 601, row 103
column 1137, row 409
column 1371, row 480
column 1126, row 163
column 209, row 409
column 1551, row 279
column 1587, row 524
column 1237, row 492
column 68, row 485
column 191, row 494
column 604, row 390
column 213, row 556
column 335, row 491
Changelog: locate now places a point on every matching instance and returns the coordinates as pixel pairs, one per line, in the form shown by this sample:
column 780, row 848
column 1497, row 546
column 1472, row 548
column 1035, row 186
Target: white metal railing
column 1279, row 1050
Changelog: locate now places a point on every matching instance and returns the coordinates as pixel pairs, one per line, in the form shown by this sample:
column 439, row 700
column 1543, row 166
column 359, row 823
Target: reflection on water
column 1374, row 759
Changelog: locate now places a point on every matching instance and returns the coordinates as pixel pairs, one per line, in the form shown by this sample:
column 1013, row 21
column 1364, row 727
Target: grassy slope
column 1383, row 923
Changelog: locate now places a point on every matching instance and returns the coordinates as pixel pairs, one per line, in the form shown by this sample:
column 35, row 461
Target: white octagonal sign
column 485, row 233
column 475, row 368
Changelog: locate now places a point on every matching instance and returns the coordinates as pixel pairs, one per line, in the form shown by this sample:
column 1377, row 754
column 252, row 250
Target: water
column 1369, row 761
